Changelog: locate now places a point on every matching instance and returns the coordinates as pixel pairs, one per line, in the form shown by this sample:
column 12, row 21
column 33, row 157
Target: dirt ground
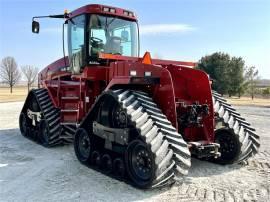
column 30, row 172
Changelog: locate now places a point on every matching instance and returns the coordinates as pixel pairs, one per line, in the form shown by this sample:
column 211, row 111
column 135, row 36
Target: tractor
column 137, row 119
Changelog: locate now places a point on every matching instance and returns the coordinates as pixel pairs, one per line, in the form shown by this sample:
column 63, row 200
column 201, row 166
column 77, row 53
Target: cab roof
column 104, row 10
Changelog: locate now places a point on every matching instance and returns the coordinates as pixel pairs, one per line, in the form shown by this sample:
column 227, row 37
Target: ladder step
column 69, row 110
column 68, row 123
column 69, row 98
column 69, row 83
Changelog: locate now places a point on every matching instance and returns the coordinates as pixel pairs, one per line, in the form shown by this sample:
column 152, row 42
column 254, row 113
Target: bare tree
column 30, row 72
column 9, row 72
column 251, row 76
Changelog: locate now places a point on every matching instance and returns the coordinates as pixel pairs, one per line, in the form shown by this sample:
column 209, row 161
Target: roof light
column 147, row 73
column 133, row 73
column 112, row 10
column 130, row 14
column 126, row 13
column 105, row 9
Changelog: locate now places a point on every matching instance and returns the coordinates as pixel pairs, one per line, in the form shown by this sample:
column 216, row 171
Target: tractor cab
column 90, row 35
column 96, row 29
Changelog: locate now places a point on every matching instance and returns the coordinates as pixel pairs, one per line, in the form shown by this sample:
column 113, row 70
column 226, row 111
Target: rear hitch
column 204, row 150
column 192, row 115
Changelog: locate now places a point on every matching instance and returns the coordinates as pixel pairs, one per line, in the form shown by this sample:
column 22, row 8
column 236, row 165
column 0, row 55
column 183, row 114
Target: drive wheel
column 140, row 164
column 229, row 146
column 24, row 126
column 44, row 133
column 82, row 145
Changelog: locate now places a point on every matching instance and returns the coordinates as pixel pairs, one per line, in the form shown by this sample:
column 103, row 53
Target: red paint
column 178, row 83
column 98, row 9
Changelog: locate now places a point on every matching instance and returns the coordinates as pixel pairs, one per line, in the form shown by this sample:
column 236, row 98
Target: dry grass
column 18, row 94
column 263, row 102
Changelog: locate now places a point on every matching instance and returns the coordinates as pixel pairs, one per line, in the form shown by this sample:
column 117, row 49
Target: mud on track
column 29, row 172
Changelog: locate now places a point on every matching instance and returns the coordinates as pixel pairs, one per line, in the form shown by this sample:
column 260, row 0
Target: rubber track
column 229, row 118
column 52, row 116
column 68, row 132
column 172, row 156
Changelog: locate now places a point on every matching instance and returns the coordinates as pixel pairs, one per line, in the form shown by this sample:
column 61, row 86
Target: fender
column 193, row 86
column 161, row 89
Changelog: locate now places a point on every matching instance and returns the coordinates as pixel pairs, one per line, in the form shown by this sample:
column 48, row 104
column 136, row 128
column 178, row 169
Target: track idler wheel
column 24, row 125
column 119, row 167
column 82, row 145
column 140, row 164
column 106, row 163
column 230, row 146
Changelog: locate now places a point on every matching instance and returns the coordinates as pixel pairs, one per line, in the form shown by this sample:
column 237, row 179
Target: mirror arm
column 52, row 16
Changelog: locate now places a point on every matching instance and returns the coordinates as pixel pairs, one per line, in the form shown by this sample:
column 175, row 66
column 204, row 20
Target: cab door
column 76, row 45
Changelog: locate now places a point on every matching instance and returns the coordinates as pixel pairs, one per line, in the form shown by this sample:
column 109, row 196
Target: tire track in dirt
column 192, row 193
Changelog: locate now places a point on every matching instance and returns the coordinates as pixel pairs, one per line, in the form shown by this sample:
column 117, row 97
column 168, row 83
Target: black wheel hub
column 119, row 117
column 229, row 146
column 84, row 145
column 140, row 163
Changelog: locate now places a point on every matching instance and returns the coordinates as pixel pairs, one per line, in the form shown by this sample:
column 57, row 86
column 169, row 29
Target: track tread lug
column 238, row 126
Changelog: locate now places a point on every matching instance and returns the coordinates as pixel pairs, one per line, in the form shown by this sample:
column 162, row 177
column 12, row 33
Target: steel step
column 69, row 98
column 69, row 110
column 69, row 123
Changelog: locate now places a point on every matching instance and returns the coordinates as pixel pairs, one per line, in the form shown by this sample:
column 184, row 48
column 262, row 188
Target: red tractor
column 137, row 119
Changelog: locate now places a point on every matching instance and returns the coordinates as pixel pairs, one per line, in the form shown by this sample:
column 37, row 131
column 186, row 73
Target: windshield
column 112, row 35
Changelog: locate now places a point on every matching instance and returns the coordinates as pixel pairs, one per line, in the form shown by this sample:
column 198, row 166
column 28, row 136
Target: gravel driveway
column 30, row 172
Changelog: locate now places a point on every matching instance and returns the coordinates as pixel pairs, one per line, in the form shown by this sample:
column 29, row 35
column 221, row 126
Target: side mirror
column 35, row 27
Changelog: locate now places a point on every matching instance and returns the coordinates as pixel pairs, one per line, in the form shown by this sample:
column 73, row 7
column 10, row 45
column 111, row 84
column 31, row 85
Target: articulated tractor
column 136, row 119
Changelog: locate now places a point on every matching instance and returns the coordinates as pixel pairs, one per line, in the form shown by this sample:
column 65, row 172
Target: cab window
column 76, row 45
column 112, row 35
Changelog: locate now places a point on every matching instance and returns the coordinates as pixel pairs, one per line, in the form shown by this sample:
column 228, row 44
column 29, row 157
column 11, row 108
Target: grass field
column 262, row 102
column 19, row 94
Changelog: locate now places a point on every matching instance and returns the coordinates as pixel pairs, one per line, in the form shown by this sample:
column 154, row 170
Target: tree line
column 229, row 74
column 10, row 74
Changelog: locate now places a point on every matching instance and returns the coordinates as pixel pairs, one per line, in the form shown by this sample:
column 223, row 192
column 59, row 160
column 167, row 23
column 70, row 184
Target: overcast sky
column 171, row 29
